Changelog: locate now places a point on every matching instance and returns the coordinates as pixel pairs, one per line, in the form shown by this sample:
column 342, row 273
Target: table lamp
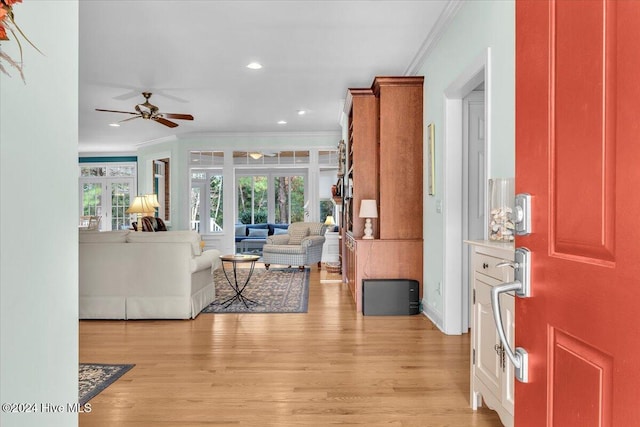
column 329, row 221
column 368, row 210
column 152, row 200
column 142, row 207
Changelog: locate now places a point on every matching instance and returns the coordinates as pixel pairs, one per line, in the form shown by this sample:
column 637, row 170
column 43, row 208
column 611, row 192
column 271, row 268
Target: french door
column 107, row 198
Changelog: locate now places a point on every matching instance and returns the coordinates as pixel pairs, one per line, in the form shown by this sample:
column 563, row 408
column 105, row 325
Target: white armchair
column 302, row 245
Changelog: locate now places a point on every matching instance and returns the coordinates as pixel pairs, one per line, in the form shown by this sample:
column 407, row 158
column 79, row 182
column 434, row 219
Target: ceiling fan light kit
column 148, row 111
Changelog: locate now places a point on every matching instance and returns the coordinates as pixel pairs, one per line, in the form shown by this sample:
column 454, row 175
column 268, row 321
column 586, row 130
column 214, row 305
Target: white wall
column 478, row 25
column 38, row 217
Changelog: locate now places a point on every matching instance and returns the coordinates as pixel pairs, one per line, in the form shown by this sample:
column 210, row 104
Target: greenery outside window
column 252, row 199
column 289, row 199
column 276, row 197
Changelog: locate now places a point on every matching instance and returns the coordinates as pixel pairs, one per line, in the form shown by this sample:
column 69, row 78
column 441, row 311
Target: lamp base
column 368, row 229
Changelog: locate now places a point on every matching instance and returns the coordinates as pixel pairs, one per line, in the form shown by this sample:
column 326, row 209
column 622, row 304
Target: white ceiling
column 193, row 54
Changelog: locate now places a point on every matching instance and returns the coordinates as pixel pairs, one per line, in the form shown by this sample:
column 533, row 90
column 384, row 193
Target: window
column 252, row 199
column 327, row 207
column 289, row 199
column 270, row 197
column 161, row 187
column 105, row 190
column 206, row 201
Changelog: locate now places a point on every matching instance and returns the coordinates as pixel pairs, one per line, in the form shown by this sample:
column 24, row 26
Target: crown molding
column 156, row 141
column 280, row 135
column 443, row 21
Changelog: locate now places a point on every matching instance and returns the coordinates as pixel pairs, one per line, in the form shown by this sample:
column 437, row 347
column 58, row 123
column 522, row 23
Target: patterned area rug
column 95, row 377
column 275, row 291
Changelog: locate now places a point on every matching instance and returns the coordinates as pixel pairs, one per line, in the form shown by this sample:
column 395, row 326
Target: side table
column 237, row 287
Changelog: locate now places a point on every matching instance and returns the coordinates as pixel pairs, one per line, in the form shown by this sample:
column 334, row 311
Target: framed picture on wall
column 431, row 161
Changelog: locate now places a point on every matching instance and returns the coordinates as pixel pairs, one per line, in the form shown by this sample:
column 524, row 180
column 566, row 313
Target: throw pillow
column 241, row 230
column 277, row 231
column 296, row 235
column 254, row 232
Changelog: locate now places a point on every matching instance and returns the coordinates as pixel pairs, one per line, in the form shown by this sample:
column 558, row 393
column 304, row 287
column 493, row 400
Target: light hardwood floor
column 329, row 366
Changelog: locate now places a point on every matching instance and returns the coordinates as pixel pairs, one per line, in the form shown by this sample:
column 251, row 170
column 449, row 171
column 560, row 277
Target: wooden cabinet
column 384, row 163
column 492, row 375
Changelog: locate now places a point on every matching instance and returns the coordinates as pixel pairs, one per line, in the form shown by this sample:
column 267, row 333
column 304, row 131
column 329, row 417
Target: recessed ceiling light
column 254, row 66
column 301, row 112
column 115, row 125
column 282, row 122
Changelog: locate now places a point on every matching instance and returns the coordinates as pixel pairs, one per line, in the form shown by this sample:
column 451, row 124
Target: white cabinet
column 331, row 247
column 492, row 375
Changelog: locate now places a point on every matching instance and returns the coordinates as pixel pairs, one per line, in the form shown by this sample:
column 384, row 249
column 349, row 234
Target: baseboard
column 433, row 315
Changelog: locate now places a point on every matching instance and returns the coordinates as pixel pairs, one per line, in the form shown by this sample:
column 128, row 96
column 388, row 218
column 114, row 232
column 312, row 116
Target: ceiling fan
column 149, row 111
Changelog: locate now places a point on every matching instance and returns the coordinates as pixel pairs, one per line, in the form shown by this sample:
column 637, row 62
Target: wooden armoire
column 384, row 163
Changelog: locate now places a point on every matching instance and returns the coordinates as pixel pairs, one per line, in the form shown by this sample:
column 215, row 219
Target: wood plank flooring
column 329, row 366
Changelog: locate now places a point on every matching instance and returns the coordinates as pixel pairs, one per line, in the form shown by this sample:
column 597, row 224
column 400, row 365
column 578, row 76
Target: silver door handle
column 511, row 264
column 519, row 357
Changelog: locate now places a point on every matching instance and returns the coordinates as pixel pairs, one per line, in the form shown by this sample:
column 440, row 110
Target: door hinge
column 474, row 356
column 474, row 296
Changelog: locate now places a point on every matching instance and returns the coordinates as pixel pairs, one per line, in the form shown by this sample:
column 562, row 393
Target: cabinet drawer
column 486, row 264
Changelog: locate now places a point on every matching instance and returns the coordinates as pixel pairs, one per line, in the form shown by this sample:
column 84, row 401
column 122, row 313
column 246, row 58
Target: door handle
column 519, row 357
column 521, row 286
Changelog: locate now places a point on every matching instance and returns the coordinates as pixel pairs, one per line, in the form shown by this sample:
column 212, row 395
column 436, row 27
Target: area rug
column 275, row 291
column 95, row 377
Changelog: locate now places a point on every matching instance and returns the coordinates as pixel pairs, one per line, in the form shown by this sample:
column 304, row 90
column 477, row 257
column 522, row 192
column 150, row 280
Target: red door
column 578, row 155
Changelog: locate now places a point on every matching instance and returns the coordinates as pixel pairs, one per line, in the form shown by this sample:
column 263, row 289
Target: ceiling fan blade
column 165, row 122
column 130, row 118
column 178, row 116
column 128, row 95
column 114, row 111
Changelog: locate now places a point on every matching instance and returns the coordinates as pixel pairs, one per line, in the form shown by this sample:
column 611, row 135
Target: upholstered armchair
column 301, row 245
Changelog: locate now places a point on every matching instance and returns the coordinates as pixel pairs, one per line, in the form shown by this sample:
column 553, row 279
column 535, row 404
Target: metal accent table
column 237, row 287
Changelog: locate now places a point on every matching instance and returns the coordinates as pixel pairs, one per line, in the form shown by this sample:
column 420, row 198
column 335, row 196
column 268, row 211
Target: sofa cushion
column 241, row 230
column 182, row 236
column 297, row 234
column 94, row 236
column 316, row 228
column 263, row 226
column 258, row 232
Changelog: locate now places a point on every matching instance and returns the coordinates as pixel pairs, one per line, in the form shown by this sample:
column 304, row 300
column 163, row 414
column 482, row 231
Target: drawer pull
column 485, row 265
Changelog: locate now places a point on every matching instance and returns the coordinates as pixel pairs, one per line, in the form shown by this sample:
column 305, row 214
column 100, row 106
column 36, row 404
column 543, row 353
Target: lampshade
column 368, row 209
column 329, row 220
column 140, row 205
column 152, row 199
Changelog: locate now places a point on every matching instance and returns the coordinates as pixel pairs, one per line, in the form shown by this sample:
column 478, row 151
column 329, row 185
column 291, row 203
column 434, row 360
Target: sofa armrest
column 312, row 241
column 278, row 239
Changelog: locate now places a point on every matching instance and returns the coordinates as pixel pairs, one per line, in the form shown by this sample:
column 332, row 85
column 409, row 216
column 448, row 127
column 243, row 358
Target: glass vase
column 501, row 201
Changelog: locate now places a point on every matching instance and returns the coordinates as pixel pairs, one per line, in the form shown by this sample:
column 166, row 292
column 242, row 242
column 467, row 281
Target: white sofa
column 136, row 275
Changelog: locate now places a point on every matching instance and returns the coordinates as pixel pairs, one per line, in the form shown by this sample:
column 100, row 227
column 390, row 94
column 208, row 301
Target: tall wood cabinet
column 384, row 163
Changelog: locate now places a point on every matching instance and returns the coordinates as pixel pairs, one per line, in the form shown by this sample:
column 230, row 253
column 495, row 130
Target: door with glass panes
column 106, row 191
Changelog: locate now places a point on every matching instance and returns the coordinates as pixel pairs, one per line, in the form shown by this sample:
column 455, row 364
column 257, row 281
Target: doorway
column 474, row 178
column 457, row 175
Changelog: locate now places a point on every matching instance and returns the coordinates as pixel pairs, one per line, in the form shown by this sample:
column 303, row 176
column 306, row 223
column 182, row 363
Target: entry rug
column 95, row 377
column 275, row 291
